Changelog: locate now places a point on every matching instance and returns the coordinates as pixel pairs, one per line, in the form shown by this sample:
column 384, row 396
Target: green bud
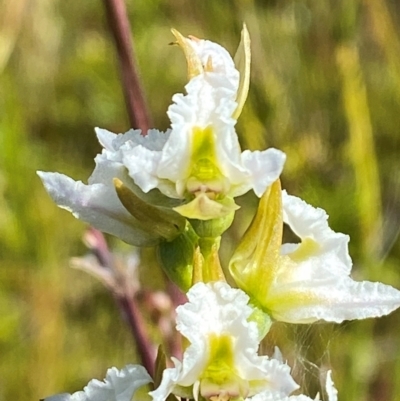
column 159, row 221
column 177, row 257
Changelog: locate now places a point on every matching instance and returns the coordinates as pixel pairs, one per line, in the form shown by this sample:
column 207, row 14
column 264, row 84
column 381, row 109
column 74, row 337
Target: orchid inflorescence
column 176, row 190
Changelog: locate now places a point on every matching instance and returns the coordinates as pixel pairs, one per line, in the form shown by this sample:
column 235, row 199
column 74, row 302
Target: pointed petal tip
column 243, row 62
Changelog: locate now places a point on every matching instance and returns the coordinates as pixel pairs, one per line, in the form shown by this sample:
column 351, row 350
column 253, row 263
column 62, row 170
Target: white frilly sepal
column 118, row 385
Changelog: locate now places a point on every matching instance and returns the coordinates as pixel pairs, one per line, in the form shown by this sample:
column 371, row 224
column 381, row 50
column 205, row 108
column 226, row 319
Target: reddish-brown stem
column 145, row 349
column 139, row 118
column 178, row 298
column 134, row 98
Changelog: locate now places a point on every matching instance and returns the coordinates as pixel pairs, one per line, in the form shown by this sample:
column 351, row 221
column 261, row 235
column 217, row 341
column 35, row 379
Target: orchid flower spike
column 309, row 281
column 221, row 361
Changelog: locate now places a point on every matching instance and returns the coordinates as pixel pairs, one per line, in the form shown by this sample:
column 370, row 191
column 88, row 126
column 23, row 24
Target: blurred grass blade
column 361, row 148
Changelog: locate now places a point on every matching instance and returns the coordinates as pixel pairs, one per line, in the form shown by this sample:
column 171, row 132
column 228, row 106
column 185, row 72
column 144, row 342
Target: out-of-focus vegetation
column 325, row 89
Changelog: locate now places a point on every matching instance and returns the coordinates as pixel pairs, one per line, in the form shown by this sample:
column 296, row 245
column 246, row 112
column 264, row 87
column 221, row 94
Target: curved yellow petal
column 254, row 263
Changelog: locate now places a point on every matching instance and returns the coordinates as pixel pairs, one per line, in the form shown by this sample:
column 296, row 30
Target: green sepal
column 255, row 262
column 160, row 366
column 159, row 221
column 177, row 257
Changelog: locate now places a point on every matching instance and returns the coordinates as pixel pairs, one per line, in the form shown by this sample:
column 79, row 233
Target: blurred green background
column 325, row 88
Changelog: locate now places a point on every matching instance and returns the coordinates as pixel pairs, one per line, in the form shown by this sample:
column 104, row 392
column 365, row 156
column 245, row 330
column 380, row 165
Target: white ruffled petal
column 334, row 300
column 142, row 165
column 119, row 385
column 139, row 154
column 96, row 204
column 112, row 143
column 262, row 169
column 271, row 395
column 216, row 308
column 109, row 162
column 277, row 376
column 221, row 60
column 308, row 222
column 153, row 140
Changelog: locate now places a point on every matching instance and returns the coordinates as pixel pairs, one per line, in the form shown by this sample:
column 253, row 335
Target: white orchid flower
column 221, row 361
column 309, row 281
column 119, row 385
column 201, row 161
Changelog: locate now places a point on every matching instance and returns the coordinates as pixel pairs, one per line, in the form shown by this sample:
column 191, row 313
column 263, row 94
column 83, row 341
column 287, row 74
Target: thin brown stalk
column 121, row 32
column 139, row 118
column 134, row 318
